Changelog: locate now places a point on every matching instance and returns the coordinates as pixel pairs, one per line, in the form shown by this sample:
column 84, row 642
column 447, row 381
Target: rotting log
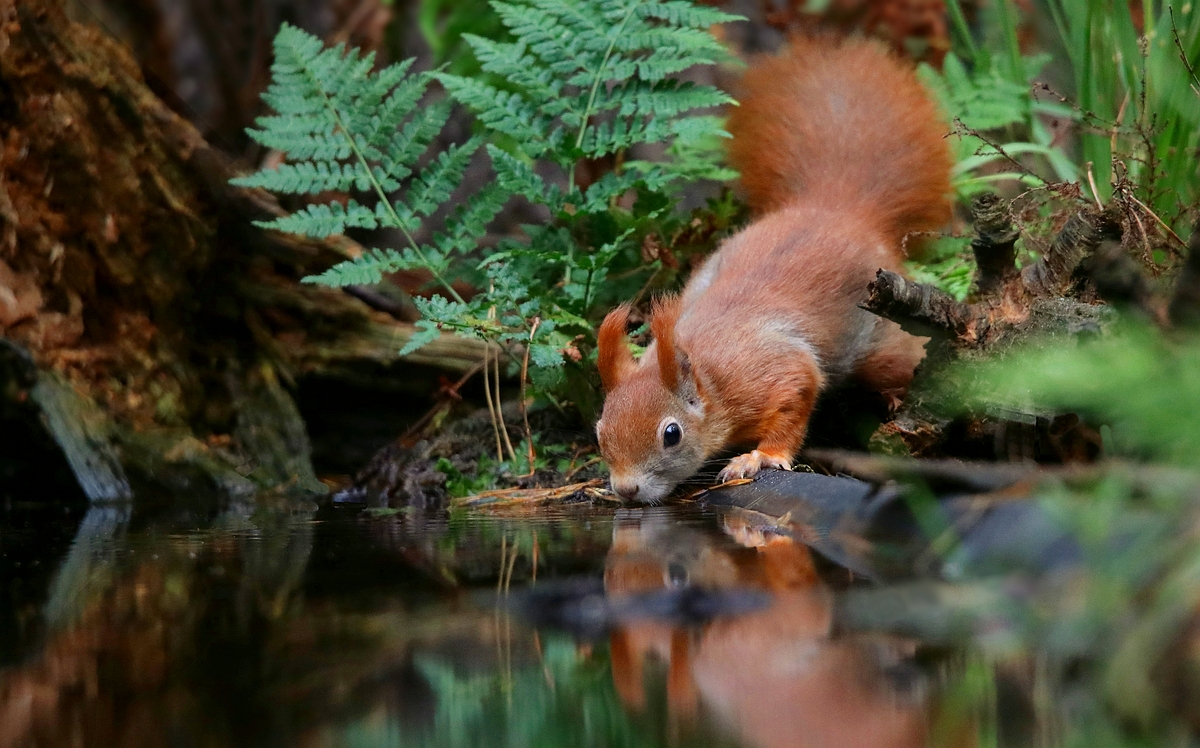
column 132, row 274
column 1050, row 276
column 1006, row 307
column 919, row 308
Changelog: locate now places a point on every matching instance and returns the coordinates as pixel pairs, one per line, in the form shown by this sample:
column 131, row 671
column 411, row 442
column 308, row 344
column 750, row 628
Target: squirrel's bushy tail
column 843, row 121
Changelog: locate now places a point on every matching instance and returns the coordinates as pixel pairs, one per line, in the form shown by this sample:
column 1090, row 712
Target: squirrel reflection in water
column 775, row 677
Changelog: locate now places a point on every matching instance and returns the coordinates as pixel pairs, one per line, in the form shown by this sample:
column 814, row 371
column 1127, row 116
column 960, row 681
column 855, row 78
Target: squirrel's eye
column 672, row 434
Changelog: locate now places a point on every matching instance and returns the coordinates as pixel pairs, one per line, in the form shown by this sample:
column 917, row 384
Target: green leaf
column 322, row 220
column 427, row 331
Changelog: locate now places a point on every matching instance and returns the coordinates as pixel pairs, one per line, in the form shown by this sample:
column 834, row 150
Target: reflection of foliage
column 566, row 699
column 1105, row 649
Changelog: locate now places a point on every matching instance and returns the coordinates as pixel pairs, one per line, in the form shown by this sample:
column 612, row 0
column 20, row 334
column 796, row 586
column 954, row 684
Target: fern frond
column 612, row 185
column 579, row 80
column 513, row 63
column 437, row 181
column 343, row 127
column 309, row 178
column 409, row 142
column 587, row 79
column 620, row 134
column 519, row 178
column 685, row 14
column 662, row 99
column 560, row 48
column 364, row 270
column 322, row 220
column 383, row 119
column 508, row 113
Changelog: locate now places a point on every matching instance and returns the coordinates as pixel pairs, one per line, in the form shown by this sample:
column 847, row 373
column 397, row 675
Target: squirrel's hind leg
column 888, row 369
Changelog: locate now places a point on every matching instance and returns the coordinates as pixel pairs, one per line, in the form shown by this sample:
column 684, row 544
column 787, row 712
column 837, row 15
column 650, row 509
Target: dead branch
column 1083, row 232
column 994, row 247
column 1007, row 306
column 919, row 308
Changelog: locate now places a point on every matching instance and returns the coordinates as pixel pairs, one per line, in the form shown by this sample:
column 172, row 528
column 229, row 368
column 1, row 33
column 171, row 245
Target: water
column 678, row 626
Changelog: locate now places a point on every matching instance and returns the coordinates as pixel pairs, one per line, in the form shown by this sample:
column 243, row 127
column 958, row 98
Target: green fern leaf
column 343, row 127
column 519, row 178
column 409, row 142
column 436, row 183
column 364, row 270
column 685, row 14
column 309, row 178
column 591, row 78
column 508, row 113
column 612, row 185
column 664, row 99
column 321, row 220
column 512, row 62
column 427, row 331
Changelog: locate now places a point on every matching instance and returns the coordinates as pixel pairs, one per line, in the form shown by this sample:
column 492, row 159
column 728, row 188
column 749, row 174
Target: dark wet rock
column 882, row 531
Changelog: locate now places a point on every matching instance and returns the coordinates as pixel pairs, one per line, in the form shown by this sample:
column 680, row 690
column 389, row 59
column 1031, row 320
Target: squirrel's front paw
column 748, row 465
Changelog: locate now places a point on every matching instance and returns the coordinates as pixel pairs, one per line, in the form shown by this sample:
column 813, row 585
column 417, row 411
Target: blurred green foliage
column 1142, row 384
column 443, row 24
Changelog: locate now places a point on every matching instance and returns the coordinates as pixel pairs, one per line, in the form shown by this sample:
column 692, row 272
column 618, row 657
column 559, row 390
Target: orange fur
column 612, row 355
column 777, row 677
column 847, row 122
column 842, row 153
column 662, row 327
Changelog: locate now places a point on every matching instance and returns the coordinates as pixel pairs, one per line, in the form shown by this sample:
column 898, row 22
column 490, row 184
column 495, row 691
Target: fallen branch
column 919, row 308
column 994, row 247
column 591, row 490
column 1083, row 232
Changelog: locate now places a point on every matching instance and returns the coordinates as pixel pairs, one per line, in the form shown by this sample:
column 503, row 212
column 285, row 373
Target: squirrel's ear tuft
column 612, row 356
column 662, row 327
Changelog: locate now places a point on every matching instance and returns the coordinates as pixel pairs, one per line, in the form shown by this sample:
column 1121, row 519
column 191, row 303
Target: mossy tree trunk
column 161, row 323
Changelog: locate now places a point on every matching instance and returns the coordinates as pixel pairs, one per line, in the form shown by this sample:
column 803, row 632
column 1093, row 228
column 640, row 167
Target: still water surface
column 574, row 626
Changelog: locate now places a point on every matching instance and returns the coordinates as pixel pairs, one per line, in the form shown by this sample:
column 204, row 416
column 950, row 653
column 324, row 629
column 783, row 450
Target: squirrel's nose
column 625, row 490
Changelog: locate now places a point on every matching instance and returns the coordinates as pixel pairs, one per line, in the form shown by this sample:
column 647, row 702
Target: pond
column 687, row 625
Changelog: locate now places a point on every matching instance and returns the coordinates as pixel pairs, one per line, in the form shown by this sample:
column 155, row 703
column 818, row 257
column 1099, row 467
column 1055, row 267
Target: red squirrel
column 842, row 157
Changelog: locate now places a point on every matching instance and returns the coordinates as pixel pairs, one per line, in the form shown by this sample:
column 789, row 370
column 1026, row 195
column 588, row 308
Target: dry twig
column 592, row 489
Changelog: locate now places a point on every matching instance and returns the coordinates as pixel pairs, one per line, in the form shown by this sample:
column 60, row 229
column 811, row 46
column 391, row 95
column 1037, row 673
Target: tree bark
column 130, row 271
